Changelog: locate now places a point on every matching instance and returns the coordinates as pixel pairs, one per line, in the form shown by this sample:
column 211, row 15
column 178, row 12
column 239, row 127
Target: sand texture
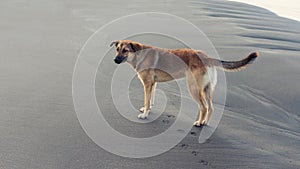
column 39, row 44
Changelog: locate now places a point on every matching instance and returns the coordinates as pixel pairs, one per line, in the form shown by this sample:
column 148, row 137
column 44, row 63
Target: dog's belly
column 162, row 76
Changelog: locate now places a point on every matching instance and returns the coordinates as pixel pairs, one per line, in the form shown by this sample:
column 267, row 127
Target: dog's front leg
column 151, row 100
column 152, row 95
column 147, row 96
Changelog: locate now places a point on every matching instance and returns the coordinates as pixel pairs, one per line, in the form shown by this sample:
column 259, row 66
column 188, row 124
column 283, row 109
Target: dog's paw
column 142, row 116
column 142, row 109
column 198, row 124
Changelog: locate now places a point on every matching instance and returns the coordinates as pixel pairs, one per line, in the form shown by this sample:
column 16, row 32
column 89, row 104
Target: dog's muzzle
column 120, row 59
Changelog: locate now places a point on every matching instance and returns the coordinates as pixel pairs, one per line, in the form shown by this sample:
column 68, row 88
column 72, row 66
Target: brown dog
column 160, row 65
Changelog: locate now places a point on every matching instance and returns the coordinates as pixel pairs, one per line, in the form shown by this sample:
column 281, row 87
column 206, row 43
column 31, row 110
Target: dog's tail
column 232, row 66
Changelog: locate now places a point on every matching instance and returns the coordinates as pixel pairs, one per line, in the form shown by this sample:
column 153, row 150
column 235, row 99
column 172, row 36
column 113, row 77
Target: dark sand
column 39, row 43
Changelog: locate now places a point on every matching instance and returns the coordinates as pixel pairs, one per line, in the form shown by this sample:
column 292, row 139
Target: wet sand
column 39, row 43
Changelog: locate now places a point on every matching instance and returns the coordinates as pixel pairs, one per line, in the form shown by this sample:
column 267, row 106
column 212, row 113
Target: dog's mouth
column 120, row 59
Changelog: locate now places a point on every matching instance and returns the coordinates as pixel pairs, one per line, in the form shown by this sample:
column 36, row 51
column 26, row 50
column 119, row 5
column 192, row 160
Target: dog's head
column 125, row 49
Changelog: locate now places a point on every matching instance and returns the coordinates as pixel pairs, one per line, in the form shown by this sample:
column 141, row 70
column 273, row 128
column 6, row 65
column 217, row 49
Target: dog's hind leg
column 194, row 82
column 208, row 94
column 203, row 109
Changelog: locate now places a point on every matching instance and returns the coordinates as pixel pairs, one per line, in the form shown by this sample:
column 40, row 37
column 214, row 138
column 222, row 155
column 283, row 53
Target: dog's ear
column 135, row 46
column 114, row 43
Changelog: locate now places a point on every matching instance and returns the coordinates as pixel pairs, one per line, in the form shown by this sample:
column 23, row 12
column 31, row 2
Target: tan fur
column 154, row 65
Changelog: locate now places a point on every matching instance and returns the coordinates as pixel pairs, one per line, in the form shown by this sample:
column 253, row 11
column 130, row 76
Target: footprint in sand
column 172, row 116
column 165, row 121
column 195, row 153
column 203, row 162
column 184, row 146
column 193, row 133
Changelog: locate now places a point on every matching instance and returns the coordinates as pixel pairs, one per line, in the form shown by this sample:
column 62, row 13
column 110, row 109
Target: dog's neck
column 134, row 59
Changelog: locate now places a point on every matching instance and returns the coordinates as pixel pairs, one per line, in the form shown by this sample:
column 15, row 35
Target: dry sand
column 289, row 9
column 39, row 43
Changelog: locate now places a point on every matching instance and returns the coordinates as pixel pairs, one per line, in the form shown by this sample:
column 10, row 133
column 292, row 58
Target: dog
column 154, row 64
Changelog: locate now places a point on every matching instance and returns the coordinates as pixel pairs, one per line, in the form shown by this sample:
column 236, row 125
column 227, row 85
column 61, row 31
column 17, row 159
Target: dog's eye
column 124, row 50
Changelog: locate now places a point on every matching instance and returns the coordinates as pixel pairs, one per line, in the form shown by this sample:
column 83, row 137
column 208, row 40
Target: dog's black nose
column 118, row 60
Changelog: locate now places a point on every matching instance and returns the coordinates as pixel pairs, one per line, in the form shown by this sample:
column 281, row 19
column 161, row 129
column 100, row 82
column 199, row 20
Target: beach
column 288, row 9
column 39, row 45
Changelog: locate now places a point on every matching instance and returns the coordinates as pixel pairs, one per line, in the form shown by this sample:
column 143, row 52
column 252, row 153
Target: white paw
column 197, row 123
column 142, row 109
column 142, row 116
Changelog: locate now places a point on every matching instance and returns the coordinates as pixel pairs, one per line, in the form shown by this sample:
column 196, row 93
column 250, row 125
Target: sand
column 289, row 9
column 39, row 43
